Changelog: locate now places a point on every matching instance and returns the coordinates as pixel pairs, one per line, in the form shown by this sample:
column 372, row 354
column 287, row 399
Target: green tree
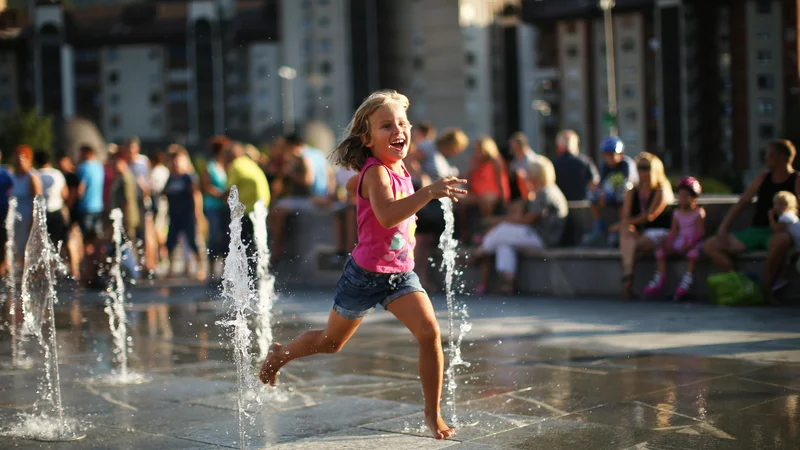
column 29, row 128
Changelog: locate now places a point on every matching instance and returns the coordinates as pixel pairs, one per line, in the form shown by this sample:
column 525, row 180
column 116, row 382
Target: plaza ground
column 544, row 373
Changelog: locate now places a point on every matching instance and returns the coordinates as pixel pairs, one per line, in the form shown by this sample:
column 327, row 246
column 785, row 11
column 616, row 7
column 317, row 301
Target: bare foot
column 270, row 367
column 438, row 426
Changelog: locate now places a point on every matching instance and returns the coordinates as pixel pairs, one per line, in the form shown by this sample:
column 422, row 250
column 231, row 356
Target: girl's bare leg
column 331, row 339
column 416, row 313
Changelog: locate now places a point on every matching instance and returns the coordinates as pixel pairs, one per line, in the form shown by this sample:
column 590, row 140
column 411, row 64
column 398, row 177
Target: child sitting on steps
column 685, row 237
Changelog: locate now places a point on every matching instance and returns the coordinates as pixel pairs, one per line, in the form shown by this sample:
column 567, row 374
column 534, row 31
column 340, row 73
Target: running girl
column 380, row 270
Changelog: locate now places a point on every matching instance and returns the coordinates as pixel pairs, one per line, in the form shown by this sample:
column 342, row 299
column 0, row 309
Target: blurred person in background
column 27, row 185
column 159, row 174
column 539, row 223
column 214, row 184
column 74, row 238
column 91, row 175
column 252, row 185
column 54, row 187
column 617, row 176
column 575, row 172
column 109, row 171
column 139, row 165
column 274, row 169
column 308, row 185
column 185, row 207
column 521, row 156
column 122, row 195
column 645, row 219
column 431, row 156
column 488, row 188
column 6, row 185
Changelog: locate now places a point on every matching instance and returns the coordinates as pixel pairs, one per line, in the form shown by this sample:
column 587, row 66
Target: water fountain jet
column 115, row 297
column 265, row 282
column 448, row 244
column 237, row 295
column 40, row 271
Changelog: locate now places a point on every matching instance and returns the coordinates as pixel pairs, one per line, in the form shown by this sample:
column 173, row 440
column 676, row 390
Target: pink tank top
column 379, row 249
column 687, row 224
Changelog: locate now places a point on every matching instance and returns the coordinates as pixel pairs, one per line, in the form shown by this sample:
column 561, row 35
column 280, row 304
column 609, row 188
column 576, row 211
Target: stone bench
column 597, row 272
column 553, row 272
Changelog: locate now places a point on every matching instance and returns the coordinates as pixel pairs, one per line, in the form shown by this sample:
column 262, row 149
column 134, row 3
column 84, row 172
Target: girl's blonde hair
column 658, row 177
column 788, row 198
column 488, row 148
column 351, row 152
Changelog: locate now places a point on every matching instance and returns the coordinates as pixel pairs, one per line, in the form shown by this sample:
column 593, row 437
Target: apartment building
column 154, row 70
column 697, row 82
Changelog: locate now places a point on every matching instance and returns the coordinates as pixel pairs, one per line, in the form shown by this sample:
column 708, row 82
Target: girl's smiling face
column 389, row 134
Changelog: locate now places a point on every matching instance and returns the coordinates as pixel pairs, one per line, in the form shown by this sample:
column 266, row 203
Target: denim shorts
column 359, row 290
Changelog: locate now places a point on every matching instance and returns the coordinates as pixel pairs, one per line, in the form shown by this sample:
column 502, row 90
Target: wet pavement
column 544, row 373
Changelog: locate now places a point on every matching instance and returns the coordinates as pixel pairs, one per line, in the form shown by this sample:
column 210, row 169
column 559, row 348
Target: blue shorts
column 609, row 198
column 359, row 290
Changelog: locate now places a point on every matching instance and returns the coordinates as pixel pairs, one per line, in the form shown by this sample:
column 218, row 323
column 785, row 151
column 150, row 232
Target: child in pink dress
column 685, row 238
column 380, row 270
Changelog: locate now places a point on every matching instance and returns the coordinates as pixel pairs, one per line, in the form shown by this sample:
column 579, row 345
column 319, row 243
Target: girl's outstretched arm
column 377, row 188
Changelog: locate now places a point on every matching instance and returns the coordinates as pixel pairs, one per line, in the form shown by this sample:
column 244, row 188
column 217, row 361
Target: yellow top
column 251, row 181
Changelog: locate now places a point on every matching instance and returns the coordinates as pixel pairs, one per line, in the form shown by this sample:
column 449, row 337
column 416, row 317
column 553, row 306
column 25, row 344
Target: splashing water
column 237, row 295
column 18, row 358
column 265, row 282
column 448, row 245
column 41, row 269
column 115, row 296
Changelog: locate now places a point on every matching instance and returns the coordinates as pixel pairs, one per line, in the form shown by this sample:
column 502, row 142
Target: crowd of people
column 517, row 201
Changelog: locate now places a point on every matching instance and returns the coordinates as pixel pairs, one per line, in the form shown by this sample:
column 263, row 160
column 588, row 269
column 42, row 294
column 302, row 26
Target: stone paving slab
column 543, row 374
column 296, row 424
column 472, row 424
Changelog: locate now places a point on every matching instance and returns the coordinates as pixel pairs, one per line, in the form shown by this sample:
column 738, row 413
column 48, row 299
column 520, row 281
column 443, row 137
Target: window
column 763, row 35
column 764, row 6
column 628, row 45
column 631, row 116
column 629, row 70
column 324, row 21
column 326, row 45
column 325, row 68
column 113, row 99
column 155, row 121
column 155, row 98
column 112, row 55
column 764, row 56
column 418, row 62
column 572, row 51
column 471, row 82
column 114, row 122
column 113, row 77
column 572, row 27
column 766, row 107
column 4, row 80
column 5, row 103
column 327, row 91
column 766, row 131
column 261, row 71
column 153, row 54
column 766, row 82
column 629, row 91
column 470, row 58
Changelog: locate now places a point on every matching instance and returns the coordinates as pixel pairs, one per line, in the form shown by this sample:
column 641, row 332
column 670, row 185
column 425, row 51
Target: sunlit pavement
column 544, row 374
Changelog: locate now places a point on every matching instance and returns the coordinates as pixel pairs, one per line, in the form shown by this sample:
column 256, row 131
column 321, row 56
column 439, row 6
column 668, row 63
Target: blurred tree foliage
column 29, row 128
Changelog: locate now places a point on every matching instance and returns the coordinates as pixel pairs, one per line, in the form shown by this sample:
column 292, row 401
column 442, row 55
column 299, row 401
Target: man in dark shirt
column 575, row 172
column 779, row 176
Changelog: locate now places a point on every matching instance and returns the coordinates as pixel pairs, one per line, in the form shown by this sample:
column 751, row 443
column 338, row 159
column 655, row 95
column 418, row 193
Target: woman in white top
column 54, row 188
